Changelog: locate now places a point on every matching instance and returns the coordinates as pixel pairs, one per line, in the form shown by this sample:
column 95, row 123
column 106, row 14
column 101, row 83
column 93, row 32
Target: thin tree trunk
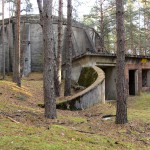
column 102, row 26
column 68, row 64
column 9, row 38
column 145, row 27
column 108, row 43
column 59, row 50
column 49, row 62
column 3, row 47
column 140, row 47
column 16, row 67
column 131, row 25
column 121, row 113
column 39, row 2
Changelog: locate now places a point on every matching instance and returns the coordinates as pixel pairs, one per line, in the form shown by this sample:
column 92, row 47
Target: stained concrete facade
column 83, row 39
column 85, row 49
column 108, row 64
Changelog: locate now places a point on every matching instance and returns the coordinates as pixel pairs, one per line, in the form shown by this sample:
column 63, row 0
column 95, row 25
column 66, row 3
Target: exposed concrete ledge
column 95, row 93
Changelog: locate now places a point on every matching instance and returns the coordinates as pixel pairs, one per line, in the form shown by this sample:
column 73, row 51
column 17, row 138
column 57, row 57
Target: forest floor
column 23, row 126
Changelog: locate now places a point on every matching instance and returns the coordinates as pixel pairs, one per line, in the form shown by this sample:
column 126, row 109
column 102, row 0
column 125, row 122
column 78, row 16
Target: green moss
column 87, row 77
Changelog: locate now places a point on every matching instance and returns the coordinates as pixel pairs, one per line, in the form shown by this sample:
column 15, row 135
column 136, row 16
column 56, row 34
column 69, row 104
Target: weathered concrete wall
column 138, row 73
column 9, row 39
column 25, row 47
column 108, row 62
column 6, row 50
column 33, row 51
column 94, row 94
column 36, row 37
column 86, row 61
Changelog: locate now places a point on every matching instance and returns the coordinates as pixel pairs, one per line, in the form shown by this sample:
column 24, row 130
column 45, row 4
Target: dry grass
column 72, row 129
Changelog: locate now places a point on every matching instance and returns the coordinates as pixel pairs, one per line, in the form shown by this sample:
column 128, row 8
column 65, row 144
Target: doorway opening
column 131, row 82
column 144, row 78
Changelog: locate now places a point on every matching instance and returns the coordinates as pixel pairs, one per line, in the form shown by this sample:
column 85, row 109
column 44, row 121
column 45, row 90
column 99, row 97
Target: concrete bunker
column 93, row 94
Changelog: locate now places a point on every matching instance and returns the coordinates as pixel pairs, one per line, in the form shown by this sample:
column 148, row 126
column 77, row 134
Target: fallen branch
column 12, row 119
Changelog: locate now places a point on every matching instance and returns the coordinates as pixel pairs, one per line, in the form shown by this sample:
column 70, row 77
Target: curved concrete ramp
column 95, row 93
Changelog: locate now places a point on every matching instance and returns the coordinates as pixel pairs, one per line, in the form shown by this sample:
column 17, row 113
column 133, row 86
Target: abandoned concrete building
column 85, row 48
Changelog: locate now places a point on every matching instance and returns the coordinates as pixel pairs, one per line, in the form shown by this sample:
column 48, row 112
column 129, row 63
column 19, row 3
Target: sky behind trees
column 81, row 7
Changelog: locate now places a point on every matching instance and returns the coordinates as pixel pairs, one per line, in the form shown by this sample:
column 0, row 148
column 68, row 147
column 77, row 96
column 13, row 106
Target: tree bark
column 59, row 49
column 16, row 67
column 121, row 113
column 68, row 64
column 131, row 27
column 49, row 62
column 39, row 2
column 3, row 47
column 102, row 26
column 140, row 47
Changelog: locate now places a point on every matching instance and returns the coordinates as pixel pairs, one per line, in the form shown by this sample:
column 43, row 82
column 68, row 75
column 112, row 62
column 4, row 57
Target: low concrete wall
column 94, row 94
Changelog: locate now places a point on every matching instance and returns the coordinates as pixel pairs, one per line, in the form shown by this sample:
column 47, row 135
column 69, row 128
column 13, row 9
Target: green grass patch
column 140, row 108
column 18, row 136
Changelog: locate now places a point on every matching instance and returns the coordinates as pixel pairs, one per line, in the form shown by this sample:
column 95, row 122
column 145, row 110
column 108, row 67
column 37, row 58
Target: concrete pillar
column 136, row 82
column 103, row 91
column 11, row 45
column 27, row 51
column 6, row 47
column 148, row 78
column 140, row 80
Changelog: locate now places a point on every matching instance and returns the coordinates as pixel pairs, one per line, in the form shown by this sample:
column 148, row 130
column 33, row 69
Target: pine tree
column 121, row 113
column 3, row 47
column 59, row 49
column 16, row 66
column 68, row 52
column 46, row 19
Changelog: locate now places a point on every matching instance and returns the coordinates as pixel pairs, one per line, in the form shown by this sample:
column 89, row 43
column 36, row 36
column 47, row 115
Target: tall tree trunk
column 102, row 26
column 9, row 39
column 49, row 62
column 39, row 2
column 145, row 29
column 59, row 50
column 131, row 26
column 68, row 64
column 16, row 67
column 108, row 43
column 121, row 113
column 140, row 47
column 3, row 47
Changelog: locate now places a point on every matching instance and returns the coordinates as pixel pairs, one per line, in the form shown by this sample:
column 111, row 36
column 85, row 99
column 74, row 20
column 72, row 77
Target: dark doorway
column 131, row 82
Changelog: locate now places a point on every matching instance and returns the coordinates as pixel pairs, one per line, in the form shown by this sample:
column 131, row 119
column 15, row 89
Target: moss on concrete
column 87, row 77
